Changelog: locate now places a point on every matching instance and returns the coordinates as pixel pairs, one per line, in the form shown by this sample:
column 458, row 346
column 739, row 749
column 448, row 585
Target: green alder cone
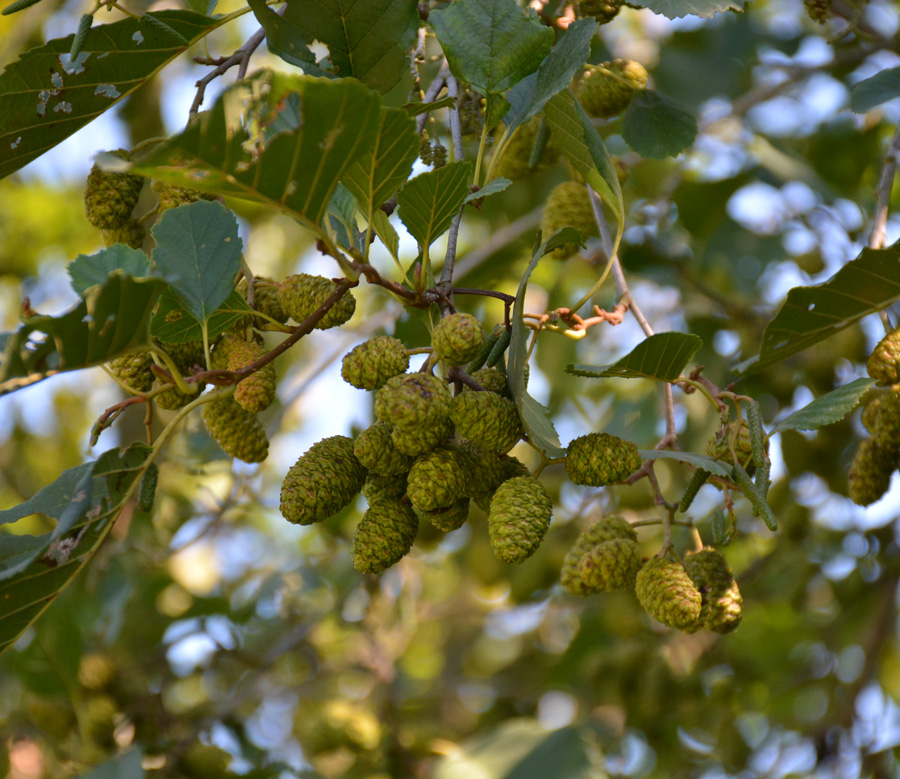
column 883, row 364
column 487, row 420
column 870, row 472
column 601, row 532
column 887, row 424
column 134, row 371
column 514, row 163
column 612, row 565
column 186, row 357
column 457, row 338
column 721, row 605
column 171, row 196
column 255, row 392
column 438, row 479
column 131, row 233
column 377, row 488
column 509, row 468
column 668, row 594
column 238, row 432
column 492, row 380
column 719, row 449
column 322, row 482
column 416, row 441
column 598, row 459
column 568, row 204
column 377, row 454
column 608, row 88
column 449, row 518
column 265, row 297
column 384, row 536
column 370, row 365
column 301, row 294
column 519, row 518
column 870, row 414
column 109, row 198
column 172, row 399
column 417, row 400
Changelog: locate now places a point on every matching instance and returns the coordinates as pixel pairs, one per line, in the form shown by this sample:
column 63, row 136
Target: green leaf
column 492, row 44
column 674, row 9
column 827, row 409
column 863, row 286
column 198, row 251
column 322, row 127
column 556, row 72
column 111, row 319
column 656, row 126
column 380, row 172
column 87, row 270
column 414, row 109
column 341, row 216
column 382, row 226
column 535, row 417
column 85, row 501
column 44, row 97
column 128, row 766
column 872, row 92
column 703, row 461
column 495, row 186
column 429, row 202
column 367, row 39
column 662, row 356
column 172, row 324
column 576, row 136
column 285, row 40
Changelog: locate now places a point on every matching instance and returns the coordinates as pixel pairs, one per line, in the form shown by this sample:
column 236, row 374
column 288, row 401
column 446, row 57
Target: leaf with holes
column 310, row 132
column 662, row 356
column 863, row 286
column 44, row 97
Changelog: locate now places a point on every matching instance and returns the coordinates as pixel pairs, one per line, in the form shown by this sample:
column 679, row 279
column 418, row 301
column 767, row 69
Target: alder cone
column 170, row 196
column 883, row 364
column 438, row 479
column 598, row 459
column 377, row 488
column 519, row 518
column 253, row 393
column 265, row 297
column 668, row 594
column 238, row 432
column 602, row 10
column 134, row 370
column 301, row 294
column 887, row 423
column 457, row 338
column 605, row 556
column 131, row 233
column 370, row 365
column 416, row 400
column 489, row 421
column 377, row 454
column 607, row 89
column 322, row 482
column 870, row 472
column 721, row 602
column 109, row 198
column 514, row 163
column 416, row 441
column 384, row 536
column 449, row 518
column 870, row 414
column 492, row 380
column 568, row 204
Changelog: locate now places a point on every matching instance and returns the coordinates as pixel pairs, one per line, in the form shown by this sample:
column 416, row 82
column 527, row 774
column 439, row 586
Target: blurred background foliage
column 210, row 638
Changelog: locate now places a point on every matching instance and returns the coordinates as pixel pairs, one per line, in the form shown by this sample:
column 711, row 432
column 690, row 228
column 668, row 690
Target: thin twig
column 431, row 94
column 883, row 193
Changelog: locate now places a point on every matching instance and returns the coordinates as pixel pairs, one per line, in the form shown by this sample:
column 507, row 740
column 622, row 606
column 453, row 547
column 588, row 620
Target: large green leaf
column 87, row 270
column 872, row 92
column 367, row 39
column 44, row 98
column 312, row 131
column 172, row 324
column 530, row 95
column 198, row 251
column 492, row 44
column 576, row 136
column 111, row 319
column 662, row 356
column 429, row 202
column 285, row 40
column 85, row 501
column 676, row 8
column 535, row 417
column 827, row 409
column 380, row 172
column 656, row 126
column 863, row 286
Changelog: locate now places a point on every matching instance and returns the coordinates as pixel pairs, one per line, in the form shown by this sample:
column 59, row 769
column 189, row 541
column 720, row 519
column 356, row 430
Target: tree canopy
column 461, row 389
